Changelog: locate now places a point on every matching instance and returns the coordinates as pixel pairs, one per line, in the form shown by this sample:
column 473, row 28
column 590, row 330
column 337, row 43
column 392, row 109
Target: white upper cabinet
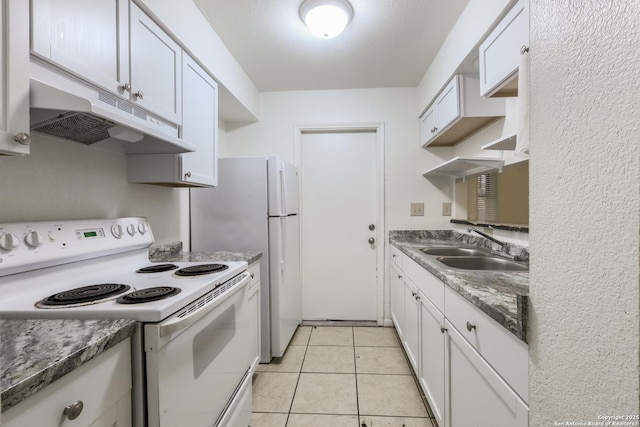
column 156, row 67
column 199, row 126
column 114, row 45
column 457, row 112
column 500, row 53
column 14, row 78
column 87, row 38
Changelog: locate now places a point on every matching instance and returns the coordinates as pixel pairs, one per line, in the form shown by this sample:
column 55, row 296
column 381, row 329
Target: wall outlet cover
column 417, row 209
column 446, row 209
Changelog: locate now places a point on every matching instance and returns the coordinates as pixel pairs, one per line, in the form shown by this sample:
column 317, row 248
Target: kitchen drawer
column 507, row 354
column 429, row 285
column 396, row 256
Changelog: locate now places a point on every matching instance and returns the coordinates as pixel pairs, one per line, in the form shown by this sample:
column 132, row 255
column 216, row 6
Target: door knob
column 372, row 227
column 372, row 240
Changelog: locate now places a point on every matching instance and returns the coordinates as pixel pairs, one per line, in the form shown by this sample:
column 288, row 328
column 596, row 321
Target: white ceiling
column 389, row 43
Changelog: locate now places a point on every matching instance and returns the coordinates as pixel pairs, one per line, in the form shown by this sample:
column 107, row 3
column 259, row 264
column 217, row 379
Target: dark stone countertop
column 35, row 353
column 172, row 252
column 502, row 295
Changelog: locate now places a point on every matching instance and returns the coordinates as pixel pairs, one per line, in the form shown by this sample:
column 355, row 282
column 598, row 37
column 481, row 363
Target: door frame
column 378, row 128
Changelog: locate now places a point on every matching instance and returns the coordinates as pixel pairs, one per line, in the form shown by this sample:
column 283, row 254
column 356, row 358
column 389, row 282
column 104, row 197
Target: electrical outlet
column 446, row 209
column 417, row 209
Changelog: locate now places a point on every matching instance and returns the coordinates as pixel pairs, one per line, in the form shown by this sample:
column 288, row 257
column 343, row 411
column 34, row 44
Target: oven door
column 197, row 358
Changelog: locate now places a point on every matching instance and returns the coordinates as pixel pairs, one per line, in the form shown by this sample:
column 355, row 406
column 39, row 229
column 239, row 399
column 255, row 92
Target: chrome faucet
column 493, row 239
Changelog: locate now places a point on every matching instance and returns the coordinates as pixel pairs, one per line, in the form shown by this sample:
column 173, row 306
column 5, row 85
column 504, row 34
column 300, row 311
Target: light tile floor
column 339, row 377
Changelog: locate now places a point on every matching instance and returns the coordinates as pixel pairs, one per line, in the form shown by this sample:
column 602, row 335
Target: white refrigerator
column 255, row 208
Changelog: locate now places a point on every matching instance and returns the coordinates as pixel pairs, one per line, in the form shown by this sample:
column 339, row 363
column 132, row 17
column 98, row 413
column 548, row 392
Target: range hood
column 65, row 107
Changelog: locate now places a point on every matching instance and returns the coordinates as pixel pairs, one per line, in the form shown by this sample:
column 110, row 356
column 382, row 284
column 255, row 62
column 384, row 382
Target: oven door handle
column 178, row 323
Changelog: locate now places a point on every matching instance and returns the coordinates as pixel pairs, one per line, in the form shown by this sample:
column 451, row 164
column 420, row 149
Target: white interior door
column 339, row 182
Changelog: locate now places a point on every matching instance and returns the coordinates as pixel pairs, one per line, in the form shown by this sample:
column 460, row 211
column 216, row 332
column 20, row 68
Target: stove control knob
column 117, row 231
column 33, row 239
column 131, row 229
column 142, row 228
column 9, row 242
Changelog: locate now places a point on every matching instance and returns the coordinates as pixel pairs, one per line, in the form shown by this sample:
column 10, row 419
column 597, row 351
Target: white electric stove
column 189, row 313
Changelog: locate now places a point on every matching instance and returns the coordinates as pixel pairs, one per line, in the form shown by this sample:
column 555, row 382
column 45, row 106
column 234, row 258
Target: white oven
column 197, row 358
column 191, row 350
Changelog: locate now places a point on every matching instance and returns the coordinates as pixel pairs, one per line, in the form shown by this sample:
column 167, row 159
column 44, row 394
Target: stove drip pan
column 199, row 270
column 157, row 268
column 84, row 295
column 148, row 295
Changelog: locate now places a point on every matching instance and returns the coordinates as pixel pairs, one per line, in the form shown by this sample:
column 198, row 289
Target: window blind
column 487, row 197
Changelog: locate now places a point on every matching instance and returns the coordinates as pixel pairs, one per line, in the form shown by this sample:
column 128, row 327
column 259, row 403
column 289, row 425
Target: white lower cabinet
column 478, row 396
column 253, row 295
column 397, row 299
column 411, row 335
column 100, row 390
column 432, row 357
column 471, row 369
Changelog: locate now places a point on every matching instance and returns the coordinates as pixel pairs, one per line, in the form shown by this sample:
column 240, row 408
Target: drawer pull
column 470, row 326
column 73, row 410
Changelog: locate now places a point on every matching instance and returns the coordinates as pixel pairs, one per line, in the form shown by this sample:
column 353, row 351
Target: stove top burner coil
column 148, row 295
column 85, row 294
column 157, row 268
column 198, row 270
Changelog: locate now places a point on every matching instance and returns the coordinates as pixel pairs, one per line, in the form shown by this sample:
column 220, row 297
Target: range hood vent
column 79, row 127
column 66, row 107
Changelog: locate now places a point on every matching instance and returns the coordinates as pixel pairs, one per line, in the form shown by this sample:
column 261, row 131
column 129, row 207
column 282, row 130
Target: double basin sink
column 472, row 259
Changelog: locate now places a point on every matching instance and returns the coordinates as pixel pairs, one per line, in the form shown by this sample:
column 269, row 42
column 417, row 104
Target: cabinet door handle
column 126, row 87
column 399, row 276
column 470, row 326
column 523, row 50
column 187, row 175
column 73, row 410
column 443, row 329
column 139, row 94
column 22, row 138
column 417, row 297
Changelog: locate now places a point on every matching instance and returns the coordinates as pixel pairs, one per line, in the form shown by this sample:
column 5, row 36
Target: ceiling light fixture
column 326, row 18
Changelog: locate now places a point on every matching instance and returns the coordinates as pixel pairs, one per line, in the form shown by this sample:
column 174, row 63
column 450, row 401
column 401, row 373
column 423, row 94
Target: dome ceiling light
column 326, row 18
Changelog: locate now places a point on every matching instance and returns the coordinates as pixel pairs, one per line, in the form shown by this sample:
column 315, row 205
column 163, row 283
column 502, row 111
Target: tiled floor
column 339, row 377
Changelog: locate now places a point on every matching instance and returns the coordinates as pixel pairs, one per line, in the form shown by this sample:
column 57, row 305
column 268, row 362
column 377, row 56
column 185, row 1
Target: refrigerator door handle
column 283, row 189
column 283, row 246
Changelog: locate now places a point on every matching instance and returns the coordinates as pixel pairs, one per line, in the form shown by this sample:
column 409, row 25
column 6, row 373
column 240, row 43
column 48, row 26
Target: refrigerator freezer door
column 233, row 217
column 286, row 294
column 283, row 187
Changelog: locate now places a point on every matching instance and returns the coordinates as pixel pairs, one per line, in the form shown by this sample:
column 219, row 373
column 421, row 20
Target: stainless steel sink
column 481, row 263
column 454, row 252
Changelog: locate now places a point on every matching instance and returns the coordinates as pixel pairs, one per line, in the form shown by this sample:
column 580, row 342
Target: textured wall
column 585, row 203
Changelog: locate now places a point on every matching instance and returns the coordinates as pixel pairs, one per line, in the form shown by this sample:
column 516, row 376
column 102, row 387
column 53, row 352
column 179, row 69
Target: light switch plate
column 446, row 209
column 417, row 209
